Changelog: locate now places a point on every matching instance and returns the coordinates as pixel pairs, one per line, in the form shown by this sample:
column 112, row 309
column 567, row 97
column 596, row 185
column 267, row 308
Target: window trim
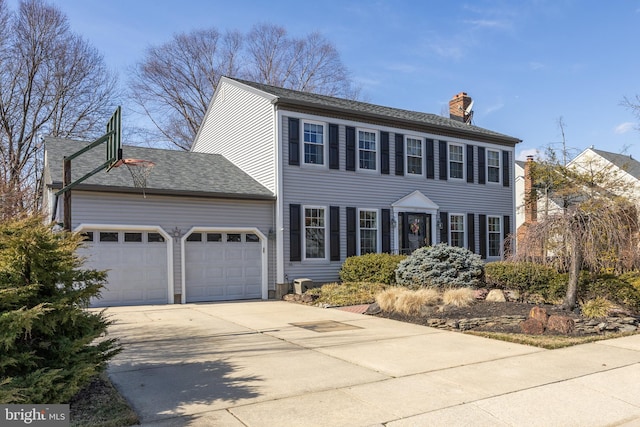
column 325, row 143
column 463, row 240
column 423, row 147
column 462, row 161
column 304, row 233
column 359, row 229
column 487, row 166
column 377, row 150
column 498, row 233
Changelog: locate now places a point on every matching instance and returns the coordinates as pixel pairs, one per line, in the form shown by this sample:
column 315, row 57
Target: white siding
column 240, row 126
column 362, row 189
column 175, row 213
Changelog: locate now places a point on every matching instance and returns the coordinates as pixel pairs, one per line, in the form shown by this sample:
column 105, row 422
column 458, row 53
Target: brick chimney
column 458, row 106
column 530, row 197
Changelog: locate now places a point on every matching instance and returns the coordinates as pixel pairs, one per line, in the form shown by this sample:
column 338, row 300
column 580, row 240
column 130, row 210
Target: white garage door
column 222, row 266
column 136, row 262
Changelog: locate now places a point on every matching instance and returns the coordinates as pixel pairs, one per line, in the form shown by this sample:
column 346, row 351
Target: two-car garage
column 215, row 263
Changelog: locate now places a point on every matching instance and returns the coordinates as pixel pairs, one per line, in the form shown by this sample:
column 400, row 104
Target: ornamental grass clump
column 459, row 297
column 411, row 302
column 387, row 298
column 440, row 266
column 596, row 308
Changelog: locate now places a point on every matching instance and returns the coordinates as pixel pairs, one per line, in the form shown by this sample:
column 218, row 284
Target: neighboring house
column 620, row 167
column 334, row 178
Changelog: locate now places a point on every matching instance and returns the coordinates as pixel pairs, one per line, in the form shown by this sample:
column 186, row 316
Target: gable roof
column 175, row 172
column 306, row 101
column 624, row 162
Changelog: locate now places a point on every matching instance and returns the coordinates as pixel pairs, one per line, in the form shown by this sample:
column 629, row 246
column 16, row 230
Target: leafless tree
column 595, row 224
column 51, row 83
column 175, row 81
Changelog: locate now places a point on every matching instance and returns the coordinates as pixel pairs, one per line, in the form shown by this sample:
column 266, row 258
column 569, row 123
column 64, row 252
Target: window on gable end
column 456, row 161
column 415, row 155
column 367, row 150
column 314, row 143
column 493, row 166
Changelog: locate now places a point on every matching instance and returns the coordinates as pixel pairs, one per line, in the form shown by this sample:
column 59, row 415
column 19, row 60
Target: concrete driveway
column 272, row 363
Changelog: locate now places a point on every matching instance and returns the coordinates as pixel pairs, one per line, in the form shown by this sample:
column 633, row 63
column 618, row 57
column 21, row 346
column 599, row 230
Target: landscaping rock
column 532, row 326
column 512, row 296
column 373, row 309
column 561, row 324
column 307, row 298
column 540, row 314
column 481, row 294
column 495, row 295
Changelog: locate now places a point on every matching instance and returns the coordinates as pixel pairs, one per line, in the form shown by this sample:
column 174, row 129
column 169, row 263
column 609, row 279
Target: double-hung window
column 456, row 161
column 456, row 230
column 313, row 143
column 493, row 166
column 314, row 232
column 495, row 233
column 368, row 231
column 367, row 150
column 414, row 156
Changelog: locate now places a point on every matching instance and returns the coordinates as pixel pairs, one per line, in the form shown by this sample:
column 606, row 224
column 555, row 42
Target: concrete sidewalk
column 272, row 363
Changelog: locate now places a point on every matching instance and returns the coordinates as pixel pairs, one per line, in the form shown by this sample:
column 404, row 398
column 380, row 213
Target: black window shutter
column 350, row 134
column 334, row 232
column 470, row 163
column 505, row 169
column 471, row 232
column 403, row 221
column 384, row 153
column 430, row 160
column 444, row 227
column 506, row 233
column 351, row 232
column 399, row 154
column 294, row 141
column 482, row 220
column 482, row 167
column 295, row 235
column 442, row 154
column 386, row 230
column 334, row 147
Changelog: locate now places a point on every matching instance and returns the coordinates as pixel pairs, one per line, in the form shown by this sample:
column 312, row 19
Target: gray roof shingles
column 175, row 172
column 624, row 162
column 346, row 105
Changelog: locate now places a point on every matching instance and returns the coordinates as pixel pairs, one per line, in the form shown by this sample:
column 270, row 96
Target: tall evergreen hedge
column 50, row 345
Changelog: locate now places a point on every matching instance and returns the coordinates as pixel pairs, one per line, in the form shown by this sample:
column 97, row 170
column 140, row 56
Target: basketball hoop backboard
column 114, row 143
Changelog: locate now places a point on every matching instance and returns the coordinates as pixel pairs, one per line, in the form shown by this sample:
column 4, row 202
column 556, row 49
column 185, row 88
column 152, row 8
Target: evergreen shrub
column 525, row 277
column 50, row 345
column 441, row 266
column 374, row 268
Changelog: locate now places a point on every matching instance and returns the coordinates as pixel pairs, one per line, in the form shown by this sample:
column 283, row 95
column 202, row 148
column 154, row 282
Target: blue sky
column 525, row 63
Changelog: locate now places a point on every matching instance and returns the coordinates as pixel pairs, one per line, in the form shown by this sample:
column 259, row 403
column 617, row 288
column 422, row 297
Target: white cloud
column 624, row 127
column 522, row 155
column 488, row 23
column 494, row 108
column 534, row 65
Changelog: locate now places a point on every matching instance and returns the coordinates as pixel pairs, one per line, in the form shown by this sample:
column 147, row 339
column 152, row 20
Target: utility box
column 301, row 285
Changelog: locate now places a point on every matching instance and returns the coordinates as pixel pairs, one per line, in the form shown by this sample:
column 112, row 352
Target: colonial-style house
column 281, row 184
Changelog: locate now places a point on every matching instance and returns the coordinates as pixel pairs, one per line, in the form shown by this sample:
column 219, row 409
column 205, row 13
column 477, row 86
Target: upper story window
column 493, row 166
column 313, row 143
column 368, row 231
column 456, row 230
column 414, row 150
column 495, row 233
column 456, row 161
column 367, row 150
column 314, row 232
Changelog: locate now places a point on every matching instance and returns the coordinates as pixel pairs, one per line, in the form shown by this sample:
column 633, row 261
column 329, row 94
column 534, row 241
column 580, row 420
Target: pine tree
column 50, row 344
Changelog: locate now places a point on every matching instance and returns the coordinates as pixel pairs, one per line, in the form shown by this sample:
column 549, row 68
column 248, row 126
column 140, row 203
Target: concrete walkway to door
column 272, row 363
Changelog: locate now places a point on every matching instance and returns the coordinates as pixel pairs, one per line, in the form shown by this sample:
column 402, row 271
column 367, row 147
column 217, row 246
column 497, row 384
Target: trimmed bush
column 440, row 266
column 526, row 277
column 351, row 293
column 460, row 297
column 610, row 287
column 374, row 268
column 50, row 345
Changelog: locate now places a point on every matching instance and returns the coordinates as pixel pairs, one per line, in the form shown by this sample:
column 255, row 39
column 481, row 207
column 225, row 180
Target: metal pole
column 66, row 172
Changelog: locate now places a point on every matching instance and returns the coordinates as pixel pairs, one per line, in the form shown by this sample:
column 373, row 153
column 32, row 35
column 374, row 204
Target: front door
column 414, row 231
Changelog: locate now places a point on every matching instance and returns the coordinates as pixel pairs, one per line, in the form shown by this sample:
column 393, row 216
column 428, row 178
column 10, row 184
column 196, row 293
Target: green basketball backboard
column 114, row 144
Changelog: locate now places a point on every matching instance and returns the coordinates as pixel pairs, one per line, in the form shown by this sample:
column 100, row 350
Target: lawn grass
column 99, row 404
column 549, row 342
